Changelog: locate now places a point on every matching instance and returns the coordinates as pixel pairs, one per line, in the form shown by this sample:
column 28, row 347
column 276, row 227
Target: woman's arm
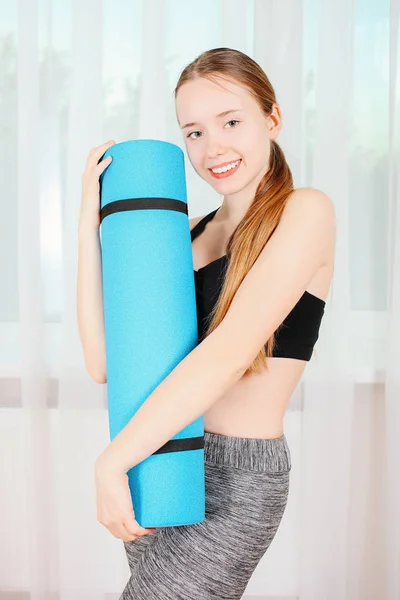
column 90, row 302
column 276, row 281
column 89, row 285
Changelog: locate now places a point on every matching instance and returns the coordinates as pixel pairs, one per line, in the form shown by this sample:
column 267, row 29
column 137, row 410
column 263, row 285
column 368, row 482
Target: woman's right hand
column 90, row 206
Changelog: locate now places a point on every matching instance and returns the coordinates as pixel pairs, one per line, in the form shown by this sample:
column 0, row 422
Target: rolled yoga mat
column 150, row 317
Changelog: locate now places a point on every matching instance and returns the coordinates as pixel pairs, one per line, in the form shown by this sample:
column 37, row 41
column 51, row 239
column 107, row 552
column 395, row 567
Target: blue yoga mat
column 150, row 317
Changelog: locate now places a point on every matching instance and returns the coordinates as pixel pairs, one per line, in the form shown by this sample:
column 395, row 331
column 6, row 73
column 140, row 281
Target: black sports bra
column 299, row 332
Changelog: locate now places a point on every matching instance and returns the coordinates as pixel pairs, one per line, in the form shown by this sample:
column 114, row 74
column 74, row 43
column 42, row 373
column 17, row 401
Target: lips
column 228, row 173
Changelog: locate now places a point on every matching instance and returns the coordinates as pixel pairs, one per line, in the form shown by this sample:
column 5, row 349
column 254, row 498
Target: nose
column 214, row 148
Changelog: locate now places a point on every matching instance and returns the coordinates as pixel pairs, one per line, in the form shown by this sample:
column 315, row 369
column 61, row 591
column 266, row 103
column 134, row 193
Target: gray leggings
column 246, row 488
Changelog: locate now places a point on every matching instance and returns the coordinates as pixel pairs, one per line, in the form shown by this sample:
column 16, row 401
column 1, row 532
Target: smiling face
column 212, row 139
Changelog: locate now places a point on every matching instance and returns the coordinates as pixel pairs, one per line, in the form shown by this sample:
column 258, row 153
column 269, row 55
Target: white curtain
column 75, row 74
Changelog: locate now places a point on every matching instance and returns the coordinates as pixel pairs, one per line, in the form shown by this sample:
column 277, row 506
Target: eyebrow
column 223, row 114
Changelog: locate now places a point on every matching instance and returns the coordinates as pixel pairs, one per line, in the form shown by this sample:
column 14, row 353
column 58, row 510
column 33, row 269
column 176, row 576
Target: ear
column 274, row 121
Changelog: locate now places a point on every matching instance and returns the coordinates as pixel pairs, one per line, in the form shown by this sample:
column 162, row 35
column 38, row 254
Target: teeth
column 226, row 167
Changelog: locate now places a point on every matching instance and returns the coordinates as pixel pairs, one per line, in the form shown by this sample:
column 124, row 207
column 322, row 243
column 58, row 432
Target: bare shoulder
column 310, row 199
column 312, row 211
column 194, row 220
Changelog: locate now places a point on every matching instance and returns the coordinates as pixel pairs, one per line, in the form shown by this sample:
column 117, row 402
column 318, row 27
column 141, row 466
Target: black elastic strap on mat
column 143, row 204
column 193, row 443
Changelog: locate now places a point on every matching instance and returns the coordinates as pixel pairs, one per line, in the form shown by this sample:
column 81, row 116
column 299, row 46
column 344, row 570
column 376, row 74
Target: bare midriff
column 255, row 406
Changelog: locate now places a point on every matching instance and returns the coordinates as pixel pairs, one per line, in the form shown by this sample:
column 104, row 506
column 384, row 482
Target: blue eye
column 195, row 138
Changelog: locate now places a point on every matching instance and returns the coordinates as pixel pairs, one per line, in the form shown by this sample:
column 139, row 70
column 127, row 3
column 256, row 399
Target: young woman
column 263, row 264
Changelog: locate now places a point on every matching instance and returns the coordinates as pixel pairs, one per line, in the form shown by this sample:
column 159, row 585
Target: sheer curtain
column 76, row 74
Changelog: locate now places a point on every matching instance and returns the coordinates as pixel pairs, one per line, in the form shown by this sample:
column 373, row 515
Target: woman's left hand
column 114, row 503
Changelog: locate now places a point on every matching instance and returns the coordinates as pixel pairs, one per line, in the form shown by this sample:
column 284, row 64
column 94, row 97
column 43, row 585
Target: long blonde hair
column 263, row 215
